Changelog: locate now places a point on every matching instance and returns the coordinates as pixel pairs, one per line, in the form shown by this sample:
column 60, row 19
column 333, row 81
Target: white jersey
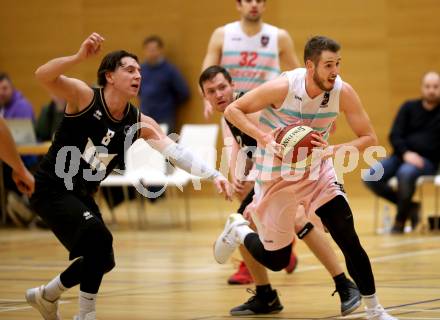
column 298, row 108
column 253, row 60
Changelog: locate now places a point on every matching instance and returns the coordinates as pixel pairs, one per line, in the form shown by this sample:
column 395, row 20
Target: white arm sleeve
column 186, row 160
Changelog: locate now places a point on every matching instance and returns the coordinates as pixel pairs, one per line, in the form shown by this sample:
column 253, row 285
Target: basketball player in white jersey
column 252, row 52
column 311, row 96
column 217, row 86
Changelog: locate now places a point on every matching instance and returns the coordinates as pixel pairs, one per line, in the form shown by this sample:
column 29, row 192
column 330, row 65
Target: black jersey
column 244, row 141
column 89, row 144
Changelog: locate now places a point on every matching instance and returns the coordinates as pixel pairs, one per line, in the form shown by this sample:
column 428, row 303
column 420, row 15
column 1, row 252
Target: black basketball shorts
column 67, row 214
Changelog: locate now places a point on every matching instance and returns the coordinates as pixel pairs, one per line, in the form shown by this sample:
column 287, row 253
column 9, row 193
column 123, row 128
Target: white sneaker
column 49, row 310
column 378, row 313
column 89, row 316
column 228, row 241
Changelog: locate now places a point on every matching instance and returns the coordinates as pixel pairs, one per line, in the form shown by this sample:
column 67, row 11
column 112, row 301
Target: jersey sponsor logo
column 236, row 39
column 324, row 103
column 265, row 40
column 97, row 157
column 253, row 74
column 298, row 98
column 98, row 114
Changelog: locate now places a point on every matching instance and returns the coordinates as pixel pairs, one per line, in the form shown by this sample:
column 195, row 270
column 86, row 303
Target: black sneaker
column 258, row 305
column 350, row 297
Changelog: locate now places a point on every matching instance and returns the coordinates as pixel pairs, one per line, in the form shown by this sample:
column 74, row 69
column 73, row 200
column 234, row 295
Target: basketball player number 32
column 248, row 59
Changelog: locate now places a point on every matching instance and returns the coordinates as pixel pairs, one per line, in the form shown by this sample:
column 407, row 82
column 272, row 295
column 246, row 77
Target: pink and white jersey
column 251, row 61
column 298, row 108
column 285, row 196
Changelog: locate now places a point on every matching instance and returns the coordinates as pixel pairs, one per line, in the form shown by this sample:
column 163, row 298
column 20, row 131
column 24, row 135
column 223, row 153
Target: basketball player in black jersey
column 89, row 143
column 217, row 87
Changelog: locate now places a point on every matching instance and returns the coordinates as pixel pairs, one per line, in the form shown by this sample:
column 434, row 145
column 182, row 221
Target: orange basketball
column 296, row 141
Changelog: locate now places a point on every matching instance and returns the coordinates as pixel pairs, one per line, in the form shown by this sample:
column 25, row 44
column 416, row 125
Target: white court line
column 418, row 310
column 417, row 318
column 209, row 270
column 12, row 300
column 404, row 242
column 7, row 309
column 409, row 254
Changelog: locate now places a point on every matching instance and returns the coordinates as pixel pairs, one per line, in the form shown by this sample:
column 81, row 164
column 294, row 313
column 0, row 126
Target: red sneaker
column 242, row 276
column 293, row 263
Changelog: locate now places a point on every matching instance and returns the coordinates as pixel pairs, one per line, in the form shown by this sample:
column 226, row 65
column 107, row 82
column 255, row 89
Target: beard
column 320, row 82
column 431, row 98
column 253, row 19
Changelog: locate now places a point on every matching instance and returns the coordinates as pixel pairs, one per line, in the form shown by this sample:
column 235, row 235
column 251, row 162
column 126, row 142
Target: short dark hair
column 317, row 44
column 110, row 62
column 5, row 76
column 155, row 39
column 210, row 74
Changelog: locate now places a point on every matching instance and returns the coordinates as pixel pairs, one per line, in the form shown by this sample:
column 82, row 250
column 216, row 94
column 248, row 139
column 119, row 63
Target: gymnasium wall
column 387, row 44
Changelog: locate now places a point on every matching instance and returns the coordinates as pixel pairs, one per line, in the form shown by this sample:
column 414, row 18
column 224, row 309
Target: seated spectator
column 13, row 105
column 415, row 138
column 49, row 119
column 23, row 179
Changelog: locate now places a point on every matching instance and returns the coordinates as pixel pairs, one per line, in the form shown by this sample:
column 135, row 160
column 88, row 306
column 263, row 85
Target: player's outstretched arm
column 182, row 157
column 77, row 93
column 271, row 93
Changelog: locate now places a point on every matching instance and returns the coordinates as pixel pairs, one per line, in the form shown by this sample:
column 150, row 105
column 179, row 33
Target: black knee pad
column 97, row 243
column 305, row 230
column 108, row 262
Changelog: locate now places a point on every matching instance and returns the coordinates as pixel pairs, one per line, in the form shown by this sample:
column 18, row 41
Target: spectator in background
column 163, row 88
column 49, row 119
column 415, row 138
column 13, row 105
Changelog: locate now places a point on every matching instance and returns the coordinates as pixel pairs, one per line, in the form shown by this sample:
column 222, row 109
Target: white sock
column 87, row 303
column 242, row 232
column 371, row 301
column 54, row 289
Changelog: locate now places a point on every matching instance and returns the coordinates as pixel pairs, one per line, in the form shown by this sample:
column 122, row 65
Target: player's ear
column 109, row 77
column 310, row 65
column 238, row 5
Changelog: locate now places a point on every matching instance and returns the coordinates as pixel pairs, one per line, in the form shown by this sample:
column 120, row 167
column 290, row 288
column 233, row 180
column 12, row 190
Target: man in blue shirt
column 163, row 88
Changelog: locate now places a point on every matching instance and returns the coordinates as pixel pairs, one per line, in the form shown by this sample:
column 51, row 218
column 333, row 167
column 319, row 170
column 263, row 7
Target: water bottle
column 387, row 222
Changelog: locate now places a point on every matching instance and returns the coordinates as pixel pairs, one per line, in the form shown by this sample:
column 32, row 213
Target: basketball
column 296, row 141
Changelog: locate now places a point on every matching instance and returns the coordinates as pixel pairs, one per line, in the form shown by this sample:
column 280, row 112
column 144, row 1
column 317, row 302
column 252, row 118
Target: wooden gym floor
column 166, row 272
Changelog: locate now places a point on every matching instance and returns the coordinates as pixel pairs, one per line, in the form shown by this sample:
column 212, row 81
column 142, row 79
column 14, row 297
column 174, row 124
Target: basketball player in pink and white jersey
column 217, row 86
column 249, row 49
column 311, row 96
column 252, row 52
